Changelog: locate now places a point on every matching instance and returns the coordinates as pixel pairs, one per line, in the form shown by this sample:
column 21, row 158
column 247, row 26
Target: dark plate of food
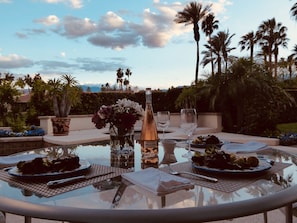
column 206, row 141
column 44, row 167
column 218, row 161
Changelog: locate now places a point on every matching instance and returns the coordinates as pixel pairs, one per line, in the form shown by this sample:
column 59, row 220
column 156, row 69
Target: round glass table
column 116, row 200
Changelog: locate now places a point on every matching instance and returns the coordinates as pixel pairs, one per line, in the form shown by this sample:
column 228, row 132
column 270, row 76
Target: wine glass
column 188, row 123
column 163, row 120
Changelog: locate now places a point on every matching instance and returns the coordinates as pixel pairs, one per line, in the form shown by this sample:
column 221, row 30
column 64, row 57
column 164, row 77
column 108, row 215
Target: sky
column 91, row 39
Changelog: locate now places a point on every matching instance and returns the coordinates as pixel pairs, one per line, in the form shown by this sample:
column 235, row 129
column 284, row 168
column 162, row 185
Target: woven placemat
column 40, row 188
column 226, row 182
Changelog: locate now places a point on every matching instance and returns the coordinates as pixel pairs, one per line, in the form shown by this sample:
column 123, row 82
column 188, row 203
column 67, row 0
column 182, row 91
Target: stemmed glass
column 188, row 123
column 163, row 120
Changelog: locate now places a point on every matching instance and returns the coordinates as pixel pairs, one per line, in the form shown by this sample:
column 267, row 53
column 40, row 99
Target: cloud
column 76, row 4
column 53, row 65
column 14, row 61
column 5, row 1
column 116, row 41
column 111, row 21
column 30, row 32
column 158, row 28
column 93, row 65
column 155, row 28
column 73, row 27
column 219, row 9
column 21, row 35
column 37, row 31
column 49, row 20
column 84, row 64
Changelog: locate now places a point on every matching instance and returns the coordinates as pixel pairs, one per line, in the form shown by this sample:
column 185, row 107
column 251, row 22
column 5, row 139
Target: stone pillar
column 46, row 124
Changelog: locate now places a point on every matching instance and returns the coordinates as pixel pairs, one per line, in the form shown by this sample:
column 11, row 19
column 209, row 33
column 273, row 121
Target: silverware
column 66, row 181
column 212, row 179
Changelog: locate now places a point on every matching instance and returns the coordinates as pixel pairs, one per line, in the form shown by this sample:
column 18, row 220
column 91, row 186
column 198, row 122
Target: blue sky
column 91, row 39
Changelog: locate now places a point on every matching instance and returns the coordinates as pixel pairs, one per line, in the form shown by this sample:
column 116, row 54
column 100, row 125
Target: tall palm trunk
column 219, row 65
column 275, row 63
column 211, row 58
column 212, row 65
column 197, row 38
column 270, row 62
column 252, row 54
column 197, row 64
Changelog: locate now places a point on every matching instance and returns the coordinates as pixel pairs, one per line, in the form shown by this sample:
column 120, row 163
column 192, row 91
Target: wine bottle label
column 150, row 143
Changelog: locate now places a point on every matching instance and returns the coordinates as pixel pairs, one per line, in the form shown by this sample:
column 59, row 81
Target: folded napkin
column 248, row 147
column 157, row 181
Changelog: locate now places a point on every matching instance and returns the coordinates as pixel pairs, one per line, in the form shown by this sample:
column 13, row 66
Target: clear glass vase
column 121, row 140
column 122, row 147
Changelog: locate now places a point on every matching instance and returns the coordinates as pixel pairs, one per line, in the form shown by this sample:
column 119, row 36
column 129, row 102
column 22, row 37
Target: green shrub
column 17, row 122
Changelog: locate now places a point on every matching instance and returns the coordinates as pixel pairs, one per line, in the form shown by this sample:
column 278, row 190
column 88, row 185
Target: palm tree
column 120, row 75
column 248, row 42
column 219, row 46
column 293, row 11
column 209, row 24
column 293, row 58
column 280, row 40
column 126, row 83
column 225, row 39
column 28, row 81
column 290, row 64
column 128, row 73
column 107, row 86
column 264, row 34
column 193, row 13
column 9, row 77
column 294, row 54
column 64, row 93
column 271, row 35
column 213, row 46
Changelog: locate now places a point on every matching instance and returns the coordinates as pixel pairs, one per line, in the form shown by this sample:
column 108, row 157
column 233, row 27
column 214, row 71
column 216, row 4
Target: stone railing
column 83, row 122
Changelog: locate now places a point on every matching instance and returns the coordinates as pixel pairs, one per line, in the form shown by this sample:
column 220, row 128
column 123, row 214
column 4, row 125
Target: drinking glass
column 188, row 123
column 163, row 120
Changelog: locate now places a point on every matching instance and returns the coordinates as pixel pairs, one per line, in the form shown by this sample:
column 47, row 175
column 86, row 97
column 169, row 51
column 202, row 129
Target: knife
column 67, row 181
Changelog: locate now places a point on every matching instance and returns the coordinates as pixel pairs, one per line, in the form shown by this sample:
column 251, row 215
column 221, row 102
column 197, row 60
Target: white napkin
column 248, row 147
column 157, row 181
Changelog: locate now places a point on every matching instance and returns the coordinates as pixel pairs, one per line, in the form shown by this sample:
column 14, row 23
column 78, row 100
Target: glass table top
column 101, row 195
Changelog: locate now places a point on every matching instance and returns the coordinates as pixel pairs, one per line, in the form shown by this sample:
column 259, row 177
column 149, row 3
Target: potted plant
column 64, row 93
